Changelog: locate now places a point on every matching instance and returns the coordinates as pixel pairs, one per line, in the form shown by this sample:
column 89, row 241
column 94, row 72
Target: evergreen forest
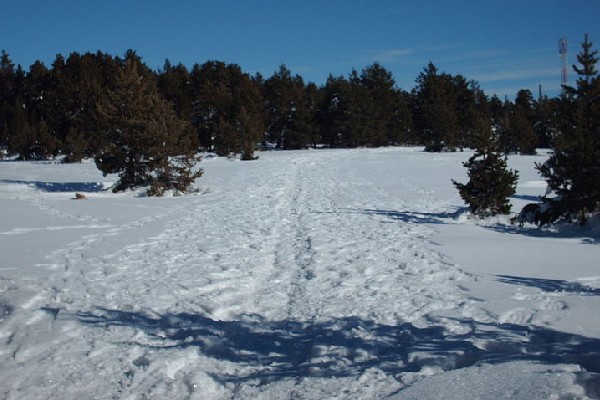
column 65, row 109
column 148, row 125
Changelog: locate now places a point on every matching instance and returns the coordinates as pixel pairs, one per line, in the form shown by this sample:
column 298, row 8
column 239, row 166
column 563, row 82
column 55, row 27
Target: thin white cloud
column 480, row 55
column 391, row 54
column 366, row 57
column 516, row 74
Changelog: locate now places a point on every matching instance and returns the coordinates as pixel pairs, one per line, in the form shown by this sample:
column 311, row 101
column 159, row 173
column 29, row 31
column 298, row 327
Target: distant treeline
column 45, row 112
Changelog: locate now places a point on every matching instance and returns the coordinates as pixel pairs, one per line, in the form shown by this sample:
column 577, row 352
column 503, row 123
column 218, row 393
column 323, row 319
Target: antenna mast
column 562, row 50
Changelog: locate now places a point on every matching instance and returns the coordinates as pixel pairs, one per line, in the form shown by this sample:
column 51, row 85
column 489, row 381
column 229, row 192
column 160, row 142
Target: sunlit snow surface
column 349, row 274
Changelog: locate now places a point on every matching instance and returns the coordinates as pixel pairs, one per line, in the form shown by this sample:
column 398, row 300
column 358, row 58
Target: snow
column 348, row 274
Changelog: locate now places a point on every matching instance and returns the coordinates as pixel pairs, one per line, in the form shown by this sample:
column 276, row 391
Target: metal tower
column 562, row 50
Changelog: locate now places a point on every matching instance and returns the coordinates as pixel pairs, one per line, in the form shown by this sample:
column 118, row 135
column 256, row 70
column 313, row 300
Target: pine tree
column 22, row 136
column 211, row 97
column 248, row 126
column 173, row 161
column 522, row 125
column 435, row 109
column 222, row 94
column 378, row 106
column 345, row 117
column 491, row 183
column 144, row 141
column 471, row 107
column 500, row 115
column 76, row 85
column 59, row 101
column 288, row 118
column 247, row 114
column 26, row 119
column 402, row 129
column 226, row 141
column 545, row 111
column 173, row 84
column 47, row 145
column 334, row 112
column 75, row 146
column 312, row 100
column 8, row 93
column 573, row 170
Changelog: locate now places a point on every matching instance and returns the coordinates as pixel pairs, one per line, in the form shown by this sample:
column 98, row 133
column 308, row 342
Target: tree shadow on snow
column 60, row 187
column 550, row 285
column 415, row 217
column 587, row 234
column 274, row 350
column 534, row 199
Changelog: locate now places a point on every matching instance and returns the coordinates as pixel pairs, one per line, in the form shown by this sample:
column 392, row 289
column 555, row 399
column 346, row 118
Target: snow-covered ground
column 349, row 274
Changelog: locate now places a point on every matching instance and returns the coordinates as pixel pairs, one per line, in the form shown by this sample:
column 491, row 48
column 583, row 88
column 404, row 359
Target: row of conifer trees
column 572, row 171
column 148, row 125
column 64, row 109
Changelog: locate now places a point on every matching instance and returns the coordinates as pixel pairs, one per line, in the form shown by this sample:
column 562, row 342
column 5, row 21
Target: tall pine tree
column 522, row 126
column 287, row 112
column 434, row 107
column 573, row 170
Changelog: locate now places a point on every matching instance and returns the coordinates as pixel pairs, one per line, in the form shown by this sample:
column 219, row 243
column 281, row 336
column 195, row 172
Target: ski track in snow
column 279, row 285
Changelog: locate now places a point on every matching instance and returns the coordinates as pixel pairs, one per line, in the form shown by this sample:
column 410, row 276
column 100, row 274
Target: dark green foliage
column 312, row 100
column 29, row 137
column 491, row 183
column 382, row 107
column 64, row 97
column 143, row 139
column 434, row 110
column 247, row 128
column 211, row 100
column 443, row 106
column 288, row 117
column 9, row 90
column 573, row 170
column 525, row 138
column 523, row 125
column 233, row 113
column 227, row 110
column 364, row 110
column 75, row 146
column 402, row 130
column 546, row 121
column 174, row 85
column 335, row 112
column 79, row 84
column 472, row 108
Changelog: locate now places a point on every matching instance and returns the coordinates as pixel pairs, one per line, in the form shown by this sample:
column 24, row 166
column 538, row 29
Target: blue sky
column 505, row 45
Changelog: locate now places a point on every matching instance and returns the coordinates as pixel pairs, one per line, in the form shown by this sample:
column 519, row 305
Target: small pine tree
column 490, row 182
column 144, row 141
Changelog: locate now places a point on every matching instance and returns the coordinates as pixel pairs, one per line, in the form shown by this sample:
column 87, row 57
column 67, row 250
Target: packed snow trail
column 295, row 276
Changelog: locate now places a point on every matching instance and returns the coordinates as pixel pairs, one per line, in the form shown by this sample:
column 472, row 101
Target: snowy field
column 321, row 274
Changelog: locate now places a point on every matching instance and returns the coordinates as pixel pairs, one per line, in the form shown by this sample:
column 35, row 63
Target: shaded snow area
column 348, row 274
